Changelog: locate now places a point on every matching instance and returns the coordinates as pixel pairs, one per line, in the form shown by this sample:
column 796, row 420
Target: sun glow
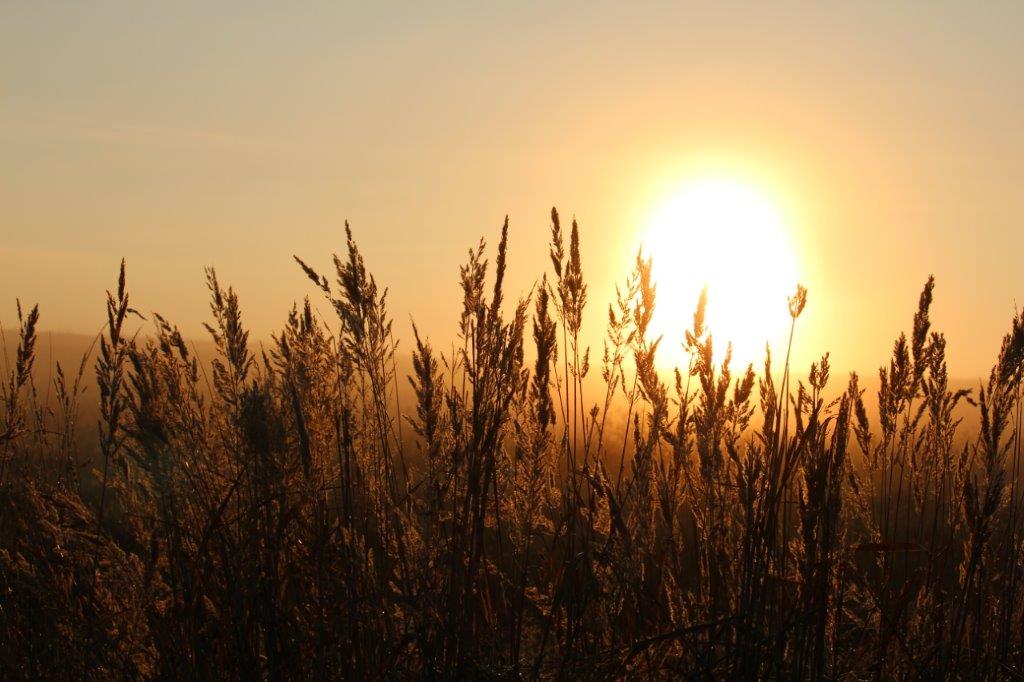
column 725, row 235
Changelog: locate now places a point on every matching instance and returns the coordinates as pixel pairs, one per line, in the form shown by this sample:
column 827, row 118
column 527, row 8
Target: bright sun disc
column 731, row 238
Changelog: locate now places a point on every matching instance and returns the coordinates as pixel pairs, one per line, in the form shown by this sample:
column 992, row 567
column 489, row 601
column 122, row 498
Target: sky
column 183, row 135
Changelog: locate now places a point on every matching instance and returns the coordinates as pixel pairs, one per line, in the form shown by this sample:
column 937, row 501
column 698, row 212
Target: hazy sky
column 185, row 134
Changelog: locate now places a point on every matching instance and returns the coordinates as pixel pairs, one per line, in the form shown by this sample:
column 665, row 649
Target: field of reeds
column 290, row 513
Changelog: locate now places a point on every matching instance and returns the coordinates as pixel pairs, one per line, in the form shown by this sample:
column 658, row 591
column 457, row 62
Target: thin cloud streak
column 73, row 128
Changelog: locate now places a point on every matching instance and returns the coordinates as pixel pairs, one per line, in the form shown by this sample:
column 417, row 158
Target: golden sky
column 890, row 136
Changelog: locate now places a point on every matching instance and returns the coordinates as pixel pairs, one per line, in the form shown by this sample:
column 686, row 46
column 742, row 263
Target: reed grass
column 268, row 515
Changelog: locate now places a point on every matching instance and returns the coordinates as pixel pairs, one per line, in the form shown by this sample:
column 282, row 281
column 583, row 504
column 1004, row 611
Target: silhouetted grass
column 282, row 515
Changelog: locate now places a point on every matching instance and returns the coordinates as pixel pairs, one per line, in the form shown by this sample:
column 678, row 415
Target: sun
column 728, row 236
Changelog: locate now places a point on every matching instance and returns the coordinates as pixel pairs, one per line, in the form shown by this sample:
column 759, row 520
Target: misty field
column 520, row 506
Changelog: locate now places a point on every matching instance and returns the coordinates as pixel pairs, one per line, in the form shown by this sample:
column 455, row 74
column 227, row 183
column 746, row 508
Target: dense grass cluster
column 281, row 514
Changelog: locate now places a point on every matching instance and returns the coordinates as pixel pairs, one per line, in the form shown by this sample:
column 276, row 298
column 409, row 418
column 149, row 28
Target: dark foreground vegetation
column 282, row 515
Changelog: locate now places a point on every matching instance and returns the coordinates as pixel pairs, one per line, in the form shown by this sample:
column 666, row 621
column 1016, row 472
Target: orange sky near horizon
column 889, row 136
